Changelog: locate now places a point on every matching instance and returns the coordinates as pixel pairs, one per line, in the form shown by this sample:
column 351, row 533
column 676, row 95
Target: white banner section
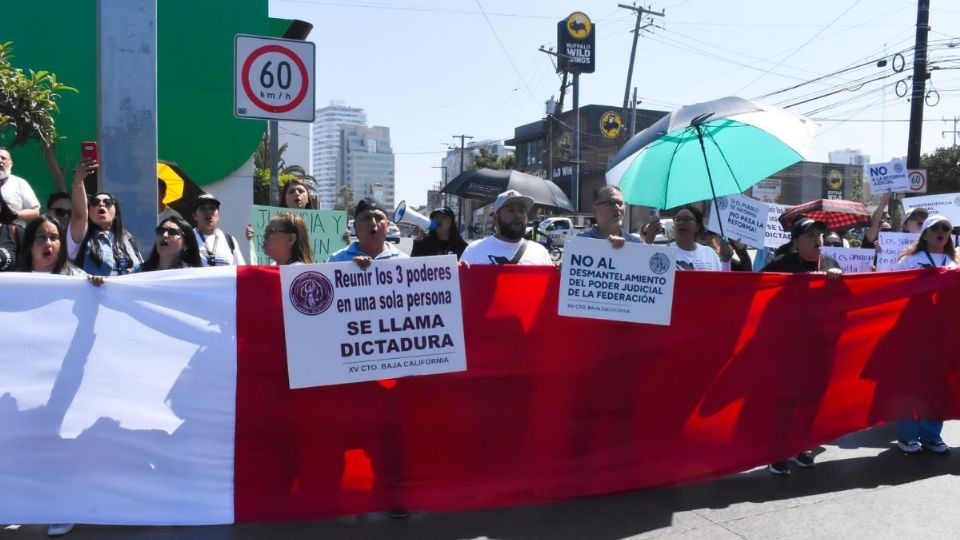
column 946, row 204
column 852, row 260
column 118, row 402
column 892, row 245
column 743, row 219
column 775, row 236
column 631, row 284
column 397, row 318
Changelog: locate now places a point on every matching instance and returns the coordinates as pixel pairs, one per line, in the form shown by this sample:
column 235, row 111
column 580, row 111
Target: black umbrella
column 486, row 184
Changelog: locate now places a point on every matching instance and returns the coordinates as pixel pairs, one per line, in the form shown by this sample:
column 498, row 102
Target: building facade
column 849, row 156
column 366, row 163
column 810, row 180
column 326, row 147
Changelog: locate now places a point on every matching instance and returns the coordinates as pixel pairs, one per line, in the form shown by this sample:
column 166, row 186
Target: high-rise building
column 326, row 145
column 366, row 163
column 848, row 156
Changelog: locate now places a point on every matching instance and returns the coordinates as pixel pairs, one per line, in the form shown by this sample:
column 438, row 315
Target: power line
column 505, row 53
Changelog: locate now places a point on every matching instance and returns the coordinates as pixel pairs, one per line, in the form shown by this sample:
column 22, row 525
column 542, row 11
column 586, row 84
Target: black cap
column 206, row 198
column 366, row 205
column 443, row 210
column 805, row 224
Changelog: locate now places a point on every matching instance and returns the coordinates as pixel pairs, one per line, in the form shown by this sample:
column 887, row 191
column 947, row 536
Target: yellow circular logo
column 835, row 179
column 579, row 25
column 611, row 124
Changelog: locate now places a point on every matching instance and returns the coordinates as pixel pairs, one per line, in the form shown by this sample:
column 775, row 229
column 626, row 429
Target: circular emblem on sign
column 898, row 167
column 276, row 79
column 659, row 263
column 611, row 124
column 579, row 25
column 311, row 293
column 835, row 179
column 722, row 203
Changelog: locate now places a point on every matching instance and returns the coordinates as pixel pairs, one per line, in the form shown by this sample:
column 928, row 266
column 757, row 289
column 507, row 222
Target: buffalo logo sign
column 611, row 124
column 579, row 25
column 311, row 293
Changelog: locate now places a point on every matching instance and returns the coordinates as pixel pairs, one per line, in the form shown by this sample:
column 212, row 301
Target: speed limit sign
column 274, row 78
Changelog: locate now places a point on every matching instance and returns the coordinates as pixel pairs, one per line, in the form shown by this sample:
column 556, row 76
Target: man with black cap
column 217, row 248
column 508, row 246
column 442, row 238
column 804, row 256
column 370, row 223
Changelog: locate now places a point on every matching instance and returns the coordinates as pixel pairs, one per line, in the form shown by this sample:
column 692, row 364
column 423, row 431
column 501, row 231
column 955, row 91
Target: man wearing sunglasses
column 608, row 208
column 21, row 202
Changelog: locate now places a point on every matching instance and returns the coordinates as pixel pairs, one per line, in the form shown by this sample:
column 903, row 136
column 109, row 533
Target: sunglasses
column 833, row 244
column 611, row 202
column 61, row 212
column 107, row 202
column 939, row 227
column 170, row 231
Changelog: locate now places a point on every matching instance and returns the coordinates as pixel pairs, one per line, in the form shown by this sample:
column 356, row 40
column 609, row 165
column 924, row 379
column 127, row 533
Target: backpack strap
column 231, row 243
column 519, row 254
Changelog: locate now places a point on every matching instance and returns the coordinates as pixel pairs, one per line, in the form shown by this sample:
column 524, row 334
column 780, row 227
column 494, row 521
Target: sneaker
column 937, row 447
column 910, row 447
column 59, row 529
column 804, row 460
column 780, row 468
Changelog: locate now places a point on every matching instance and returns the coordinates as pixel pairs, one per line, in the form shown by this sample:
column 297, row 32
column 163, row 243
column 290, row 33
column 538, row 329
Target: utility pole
column 443, row 184
column 955, row 120
column 640, row 12
column 462, row 162
column 920, row 76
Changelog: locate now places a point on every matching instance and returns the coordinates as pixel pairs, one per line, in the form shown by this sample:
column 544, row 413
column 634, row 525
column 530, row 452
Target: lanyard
column 929, row 258
column 211, row 255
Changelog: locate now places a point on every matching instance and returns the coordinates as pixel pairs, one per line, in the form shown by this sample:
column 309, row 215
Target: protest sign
column 890, row 176
column 852, row 260
column 775, row 236
column 631, row 284
column 768, row 190
column 892, row 245
column 743, row 219
column 325, row 228
column 945, row 204
column 397, row 318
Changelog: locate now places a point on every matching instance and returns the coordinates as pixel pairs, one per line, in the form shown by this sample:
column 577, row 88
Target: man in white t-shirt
column 17, row 193
column 508, row 246
column 217, row 248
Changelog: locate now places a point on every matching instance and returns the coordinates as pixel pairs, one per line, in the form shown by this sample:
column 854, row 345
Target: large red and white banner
column 164, row 398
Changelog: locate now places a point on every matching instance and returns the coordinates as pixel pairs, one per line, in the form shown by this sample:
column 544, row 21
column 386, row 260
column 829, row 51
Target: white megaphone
column 405, row 215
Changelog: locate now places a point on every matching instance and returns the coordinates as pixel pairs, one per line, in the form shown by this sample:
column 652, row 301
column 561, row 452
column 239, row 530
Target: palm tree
column 285, row 172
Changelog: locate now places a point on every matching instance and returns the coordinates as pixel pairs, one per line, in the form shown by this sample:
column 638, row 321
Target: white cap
column 509, row 196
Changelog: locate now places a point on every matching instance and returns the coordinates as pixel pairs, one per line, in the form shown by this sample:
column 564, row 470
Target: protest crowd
column 82, row 234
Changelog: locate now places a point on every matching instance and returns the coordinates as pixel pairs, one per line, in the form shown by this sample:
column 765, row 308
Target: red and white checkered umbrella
column 837, row 214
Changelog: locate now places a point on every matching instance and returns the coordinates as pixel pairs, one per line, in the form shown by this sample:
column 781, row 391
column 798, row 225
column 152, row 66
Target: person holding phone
column 96, row 239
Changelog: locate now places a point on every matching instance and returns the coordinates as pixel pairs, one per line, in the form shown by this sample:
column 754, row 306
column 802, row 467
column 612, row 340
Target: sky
column 431, row 69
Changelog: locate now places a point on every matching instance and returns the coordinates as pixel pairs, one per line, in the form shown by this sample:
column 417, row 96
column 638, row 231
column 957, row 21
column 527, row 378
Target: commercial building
column 326, row 147
column 366, row 163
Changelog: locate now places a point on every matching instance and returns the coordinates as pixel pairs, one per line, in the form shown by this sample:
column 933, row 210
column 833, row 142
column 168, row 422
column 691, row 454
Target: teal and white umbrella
column 708, row 150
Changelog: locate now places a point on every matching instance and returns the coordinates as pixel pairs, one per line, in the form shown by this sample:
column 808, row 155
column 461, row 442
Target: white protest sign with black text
column 892, row 245
column 946, row 204
column 743, row 219
column 399, row 317
column 631, row 284
column 852, row 260
column 775, row 235
column 890, row 176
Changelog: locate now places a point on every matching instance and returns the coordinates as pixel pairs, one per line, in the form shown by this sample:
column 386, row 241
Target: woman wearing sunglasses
column 286, row 240
column 96, row 239
column 934, row 249
column 176, row 247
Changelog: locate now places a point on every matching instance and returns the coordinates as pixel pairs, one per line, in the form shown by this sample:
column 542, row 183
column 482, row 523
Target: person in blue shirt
column 608, row 209
column 370, row 224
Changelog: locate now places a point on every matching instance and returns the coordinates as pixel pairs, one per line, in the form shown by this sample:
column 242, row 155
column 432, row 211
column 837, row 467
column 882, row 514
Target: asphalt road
column 862, row 487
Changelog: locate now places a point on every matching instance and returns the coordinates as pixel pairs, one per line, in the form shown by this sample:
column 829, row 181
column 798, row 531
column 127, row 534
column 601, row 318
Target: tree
column 486, row 159
column 345, row 200
column 943, row 169
column 27, row 106
column 285, row 173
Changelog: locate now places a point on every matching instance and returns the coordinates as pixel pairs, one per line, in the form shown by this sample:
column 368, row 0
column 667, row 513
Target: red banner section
column 754, row 368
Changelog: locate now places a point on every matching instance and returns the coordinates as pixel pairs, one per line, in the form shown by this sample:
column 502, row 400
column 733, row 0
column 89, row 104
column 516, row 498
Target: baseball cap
column 917, row 212
column 367, row 205
column 805, row 224
column 933, row 220
column 446, row 210
column 512, row 195
column 206, row 198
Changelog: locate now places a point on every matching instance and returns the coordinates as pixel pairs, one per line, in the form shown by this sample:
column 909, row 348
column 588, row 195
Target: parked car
column 557, row 229
column 393, row 233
